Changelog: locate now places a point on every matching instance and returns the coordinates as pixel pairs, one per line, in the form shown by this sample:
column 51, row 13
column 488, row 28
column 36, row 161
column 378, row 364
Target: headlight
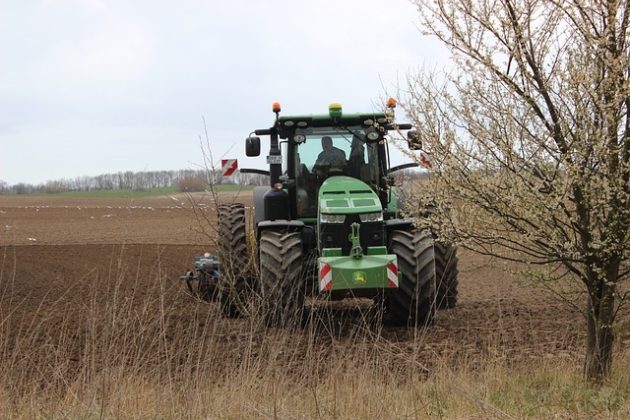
column 373, row 135
column 299, row 138
column 371, row 217
column 332, row 218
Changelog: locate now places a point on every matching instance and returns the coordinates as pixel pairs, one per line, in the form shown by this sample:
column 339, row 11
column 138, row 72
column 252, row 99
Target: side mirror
column 413, row 140
column 252, row 146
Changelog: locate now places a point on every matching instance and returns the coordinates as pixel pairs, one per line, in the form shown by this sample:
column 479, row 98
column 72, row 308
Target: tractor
column 329, row 225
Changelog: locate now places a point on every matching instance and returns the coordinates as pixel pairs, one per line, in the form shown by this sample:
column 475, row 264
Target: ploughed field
column 64, row 258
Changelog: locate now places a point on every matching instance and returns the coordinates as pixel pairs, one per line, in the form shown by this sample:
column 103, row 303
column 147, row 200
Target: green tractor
column 329, row 225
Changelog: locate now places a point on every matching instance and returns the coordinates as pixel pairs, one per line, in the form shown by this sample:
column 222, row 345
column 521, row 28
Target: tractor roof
column 322, row 120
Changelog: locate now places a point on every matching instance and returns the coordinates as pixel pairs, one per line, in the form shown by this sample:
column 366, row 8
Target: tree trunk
column 600, row 336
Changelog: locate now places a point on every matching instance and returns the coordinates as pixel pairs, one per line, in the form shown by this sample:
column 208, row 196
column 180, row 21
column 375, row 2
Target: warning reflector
column 229, row 166
column 392, row 274
column 325, row 277
column 425, row 160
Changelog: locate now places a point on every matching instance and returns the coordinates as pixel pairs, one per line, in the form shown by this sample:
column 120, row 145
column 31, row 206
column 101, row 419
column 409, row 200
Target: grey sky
column 90, row 87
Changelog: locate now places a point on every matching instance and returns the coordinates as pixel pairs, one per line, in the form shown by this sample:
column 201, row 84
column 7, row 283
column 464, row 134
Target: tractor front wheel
column 413, row 303
column 281, row 279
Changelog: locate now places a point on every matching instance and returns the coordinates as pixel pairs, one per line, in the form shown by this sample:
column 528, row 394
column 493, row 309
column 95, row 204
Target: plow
column 203, row 280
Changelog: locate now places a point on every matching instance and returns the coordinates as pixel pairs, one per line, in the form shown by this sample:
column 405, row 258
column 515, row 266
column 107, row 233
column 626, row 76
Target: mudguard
column 259, row 204
column 289, row 225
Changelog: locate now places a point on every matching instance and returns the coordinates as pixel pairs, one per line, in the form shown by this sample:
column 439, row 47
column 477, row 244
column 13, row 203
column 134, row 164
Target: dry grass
column 118, row 353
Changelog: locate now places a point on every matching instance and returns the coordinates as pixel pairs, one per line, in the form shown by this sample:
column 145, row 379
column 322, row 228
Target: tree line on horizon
column 184, row 180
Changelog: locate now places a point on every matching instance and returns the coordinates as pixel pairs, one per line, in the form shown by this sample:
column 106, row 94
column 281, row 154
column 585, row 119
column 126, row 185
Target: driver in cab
column 330, row 157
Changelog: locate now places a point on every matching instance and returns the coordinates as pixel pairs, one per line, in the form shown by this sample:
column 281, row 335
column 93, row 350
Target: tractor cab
column 307, row 150
column 323, row 152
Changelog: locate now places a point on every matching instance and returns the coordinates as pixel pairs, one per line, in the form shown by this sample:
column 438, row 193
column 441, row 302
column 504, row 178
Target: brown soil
column 88, row 253
column 56, row 220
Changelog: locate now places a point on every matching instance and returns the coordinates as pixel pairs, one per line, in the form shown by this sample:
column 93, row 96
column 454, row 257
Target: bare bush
column 192, row 184
column 54, row 187
column 530, row 137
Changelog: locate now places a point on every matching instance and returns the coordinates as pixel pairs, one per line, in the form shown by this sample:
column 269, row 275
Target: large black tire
column 234, row 283
column 281, row 277
column 446, row 274
column 413, row 303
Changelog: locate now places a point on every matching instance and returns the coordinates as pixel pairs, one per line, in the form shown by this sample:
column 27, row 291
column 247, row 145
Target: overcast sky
column 99, row 86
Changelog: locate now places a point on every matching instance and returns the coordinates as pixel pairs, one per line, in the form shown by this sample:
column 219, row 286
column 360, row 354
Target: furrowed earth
column 62, row 258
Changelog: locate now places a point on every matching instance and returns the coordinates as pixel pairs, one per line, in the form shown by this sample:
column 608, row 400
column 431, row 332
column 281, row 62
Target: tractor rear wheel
column 413, row 303
column 234, row 281
column 281, row 277
column 446, row 274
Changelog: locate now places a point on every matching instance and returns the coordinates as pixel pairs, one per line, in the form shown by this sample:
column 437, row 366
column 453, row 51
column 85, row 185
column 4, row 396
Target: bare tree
column 529, row 138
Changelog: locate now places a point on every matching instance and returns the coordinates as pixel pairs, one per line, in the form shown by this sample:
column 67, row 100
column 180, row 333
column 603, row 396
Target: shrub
column 191, row 184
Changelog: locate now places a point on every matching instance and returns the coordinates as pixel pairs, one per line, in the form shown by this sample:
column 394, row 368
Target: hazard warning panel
column 425, row 160
column 229, row 166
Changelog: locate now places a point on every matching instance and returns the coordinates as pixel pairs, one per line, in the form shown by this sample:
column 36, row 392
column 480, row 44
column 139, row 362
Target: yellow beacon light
column 391, row 103
column 334, row 110
column 276, row 107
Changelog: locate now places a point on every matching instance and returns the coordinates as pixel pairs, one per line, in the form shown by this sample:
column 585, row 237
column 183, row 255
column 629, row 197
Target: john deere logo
column 359, row 277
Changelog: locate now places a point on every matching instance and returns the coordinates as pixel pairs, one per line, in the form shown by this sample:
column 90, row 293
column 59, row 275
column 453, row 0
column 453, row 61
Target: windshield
column 339, row 151
column 328, row 151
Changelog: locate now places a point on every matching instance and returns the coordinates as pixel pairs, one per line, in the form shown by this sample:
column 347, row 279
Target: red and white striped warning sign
column 229, row 166
column 392, row 274
column 425, row 160
column 325, row 277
